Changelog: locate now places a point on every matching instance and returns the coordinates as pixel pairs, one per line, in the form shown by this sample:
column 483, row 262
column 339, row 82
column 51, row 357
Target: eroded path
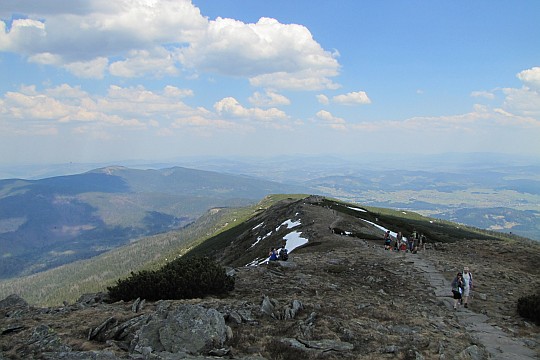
column 499, row 345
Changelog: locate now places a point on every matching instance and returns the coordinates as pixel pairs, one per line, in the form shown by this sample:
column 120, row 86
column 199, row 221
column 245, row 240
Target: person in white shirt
column 467, row 285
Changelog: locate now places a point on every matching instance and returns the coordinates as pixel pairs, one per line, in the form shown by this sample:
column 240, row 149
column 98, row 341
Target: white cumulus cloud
column 270, row 53
column 352, row 98
column 323, row 99
column 483, row 94
column 94, row 68
column 133, row 108
column 229, row 106
column 523, row 101
column 530, row 77
column 331, row 120
column 158, row 63
column 132, row 38
column 269, row 98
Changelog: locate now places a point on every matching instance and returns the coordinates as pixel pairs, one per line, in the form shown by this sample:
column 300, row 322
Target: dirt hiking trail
column 499, row 345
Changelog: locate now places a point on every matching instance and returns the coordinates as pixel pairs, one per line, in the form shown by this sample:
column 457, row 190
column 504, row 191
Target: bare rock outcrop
column 190, row 329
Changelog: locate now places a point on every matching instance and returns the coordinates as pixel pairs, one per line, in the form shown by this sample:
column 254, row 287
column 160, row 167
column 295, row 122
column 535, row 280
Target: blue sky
column 103, row 81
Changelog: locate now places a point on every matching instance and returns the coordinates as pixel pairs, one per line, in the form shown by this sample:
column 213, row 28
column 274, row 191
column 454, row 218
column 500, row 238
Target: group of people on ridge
column 462, row 283
column 280, row 254
column 401, row 243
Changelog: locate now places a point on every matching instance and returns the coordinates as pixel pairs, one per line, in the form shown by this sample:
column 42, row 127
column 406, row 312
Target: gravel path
column 499, row 345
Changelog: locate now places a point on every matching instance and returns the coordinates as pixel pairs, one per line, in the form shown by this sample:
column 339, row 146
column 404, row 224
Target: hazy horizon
column 371, row 161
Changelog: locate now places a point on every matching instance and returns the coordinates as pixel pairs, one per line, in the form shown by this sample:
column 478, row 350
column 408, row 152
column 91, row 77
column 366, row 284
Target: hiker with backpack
column 399, row 239
column 283, row 254
column 457, row 289
column 413, row 242
column 403, row 244
column 387, row 240
column 467, row 286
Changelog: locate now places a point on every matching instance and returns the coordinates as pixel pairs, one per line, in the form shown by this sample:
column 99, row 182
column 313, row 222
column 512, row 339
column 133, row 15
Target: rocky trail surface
column 497, row 343
column 338, row 297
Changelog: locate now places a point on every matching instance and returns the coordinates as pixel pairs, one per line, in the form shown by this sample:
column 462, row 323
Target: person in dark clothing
column 457, row 289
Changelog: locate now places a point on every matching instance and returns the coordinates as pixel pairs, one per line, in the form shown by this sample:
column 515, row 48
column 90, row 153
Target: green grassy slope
column 55, row 221
column 68, row 282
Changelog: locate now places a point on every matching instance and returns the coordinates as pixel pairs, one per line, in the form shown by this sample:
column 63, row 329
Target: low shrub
column 529, row 307
column 179, row 279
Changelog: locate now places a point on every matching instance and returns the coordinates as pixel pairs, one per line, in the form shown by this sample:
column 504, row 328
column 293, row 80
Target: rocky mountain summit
column 339, row 296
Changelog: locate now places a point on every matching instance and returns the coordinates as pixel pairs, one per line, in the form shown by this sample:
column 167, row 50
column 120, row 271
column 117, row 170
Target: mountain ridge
column 352, row 298
column 53, row 221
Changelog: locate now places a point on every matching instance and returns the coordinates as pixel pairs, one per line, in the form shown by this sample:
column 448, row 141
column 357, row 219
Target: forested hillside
column 51, row 222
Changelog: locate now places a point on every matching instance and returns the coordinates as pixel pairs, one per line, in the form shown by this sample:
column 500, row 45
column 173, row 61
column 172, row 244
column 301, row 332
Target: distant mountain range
column 49, row 222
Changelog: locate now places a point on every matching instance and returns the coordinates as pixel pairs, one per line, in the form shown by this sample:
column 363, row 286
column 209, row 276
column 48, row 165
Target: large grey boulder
column 184, row 328
column 46, row 339
column 13, row 300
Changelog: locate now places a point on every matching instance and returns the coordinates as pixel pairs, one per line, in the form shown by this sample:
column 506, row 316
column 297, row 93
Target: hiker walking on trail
column 457, row 289
column 415, row 237
column 403, row 244
column 423, row 242
column 467, row 285
column 416, row 243
column 399, row 238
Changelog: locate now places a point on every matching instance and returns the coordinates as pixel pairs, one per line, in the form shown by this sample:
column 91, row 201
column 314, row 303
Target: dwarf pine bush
column 179, row 279
column 529, row 307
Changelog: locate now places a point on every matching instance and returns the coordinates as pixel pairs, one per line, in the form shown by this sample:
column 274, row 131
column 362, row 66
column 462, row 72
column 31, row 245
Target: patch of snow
column 256, row 242
column 258, row 226
column 256, row 262
column 392, row 233
column 260, row 238
column 290, row 224
column 294, row 240
column 357, row 209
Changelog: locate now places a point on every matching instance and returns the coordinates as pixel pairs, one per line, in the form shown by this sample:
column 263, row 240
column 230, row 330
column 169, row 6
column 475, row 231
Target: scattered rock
column 93, row 299
column 137, row 305
column 327, row 345
column 183, row 328
column 13, row 301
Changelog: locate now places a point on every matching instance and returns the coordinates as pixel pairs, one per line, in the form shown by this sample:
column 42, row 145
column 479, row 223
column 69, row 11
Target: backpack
column 283, row 255
column 470, row 280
